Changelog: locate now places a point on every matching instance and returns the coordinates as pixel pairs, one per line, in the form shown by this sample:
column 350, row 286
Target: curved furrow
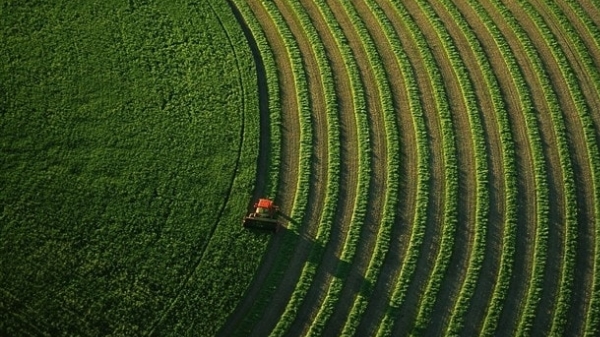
column 384, row 187
column 283, row 298
column 424, row 242
column 557, row 283
column 405, row 265
column 463, row 190
column 582, row 25
column 368, row 312
column 489, row 116
column 270, row 101
column 589, row 55
column 278, row 77
column 592, row 7
column 349, row 166
column 298, row 19
column 492, row 51
column 531, row 235
column 533, row 245
column 550, row 233
column 348, row 309
column 575, row 66
column 367, row 216
column 577, row 274
column 589, row 78
column 295, row 92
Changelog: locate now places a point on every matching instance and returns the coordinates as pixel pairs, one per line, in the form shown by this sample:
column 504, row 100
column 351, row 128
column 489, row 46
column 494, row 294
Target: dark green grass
column 120, row 130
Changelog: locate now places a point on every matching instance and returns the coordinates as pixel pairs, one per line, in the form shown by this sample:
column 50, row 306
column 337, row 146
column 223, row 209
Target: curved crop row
column 423, row 154
column 393, row 164
column 593, row 315
column 450, row 161
column 533, row 132
column 534, row 297
column 360, row 205
column 274, row 103
column 509, row 175
column 416, row 112
column 274, row 95
column 500, row 290
column 592, row 29
column 535, row 284
column 570, row 77
column 443, row 259
column 301, row 197
column 328, row 217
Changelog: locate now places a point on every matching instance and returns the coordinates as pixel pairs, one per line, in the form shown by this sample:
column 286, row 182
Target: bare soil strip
column 557, row 194
column 289, row 165
column 584, row 261
column 430, row 246
column 466, row 163
column 527, row 211
column 495, row 225
column 407, row 188
column 377, row 183
column 348, row 178
column 318, row 183
column 592, row 10
column 579, row 156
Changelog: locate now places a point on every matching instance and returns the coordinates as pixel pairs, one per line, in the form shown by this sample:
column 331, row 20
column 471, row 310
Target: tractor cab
column 264, row 216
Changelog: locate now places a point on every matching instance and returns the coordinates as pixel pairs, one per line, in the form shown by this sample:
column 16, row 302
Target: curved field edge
column 300, row 93
column 164, row 214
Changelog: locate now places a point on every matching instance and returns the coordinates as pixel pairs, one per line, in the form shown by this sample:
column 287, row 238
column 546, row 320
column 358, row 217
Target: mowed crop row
column 469, row 130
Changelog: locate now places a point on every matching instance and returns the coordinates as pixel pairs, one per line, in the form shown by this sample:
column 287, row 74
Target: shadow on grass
column 295, row 241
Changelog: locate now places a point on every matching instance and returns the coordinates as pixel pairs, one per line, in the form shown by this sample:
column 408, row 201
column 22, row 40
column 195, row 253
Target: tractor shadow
column 299, row 245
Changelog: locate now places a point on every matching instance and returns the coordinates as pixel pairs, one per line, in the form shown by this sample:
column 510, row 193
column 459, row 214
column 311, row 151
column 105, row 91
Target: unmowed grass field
column 128, row 146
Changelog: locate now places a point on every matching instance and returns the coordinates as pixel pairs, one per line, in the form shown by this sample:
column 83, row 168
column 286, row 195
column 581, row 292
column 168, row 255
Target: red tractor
column 263, row 217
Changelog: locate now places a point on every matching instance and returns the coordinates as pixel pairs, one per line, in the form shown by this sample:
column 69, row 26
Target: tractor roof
column 265, row 203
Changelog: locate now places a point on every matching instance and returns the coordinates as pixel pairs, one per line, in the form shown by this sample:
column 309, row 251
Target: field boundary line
column 197, row 263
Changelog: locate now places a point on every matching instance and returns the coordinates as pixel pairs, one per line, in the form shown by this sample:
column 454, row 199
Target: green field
column 128, row 145
column 436, row 165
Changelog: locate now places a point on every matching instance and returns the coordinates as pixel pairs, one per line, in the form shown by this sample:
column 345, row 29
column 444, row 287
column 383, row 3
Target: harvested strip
column 348, row 174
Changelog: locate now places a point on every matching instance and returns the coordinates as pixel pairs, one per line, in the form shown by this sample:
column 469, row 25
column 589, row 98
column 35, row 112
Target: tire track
column 202, row 251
